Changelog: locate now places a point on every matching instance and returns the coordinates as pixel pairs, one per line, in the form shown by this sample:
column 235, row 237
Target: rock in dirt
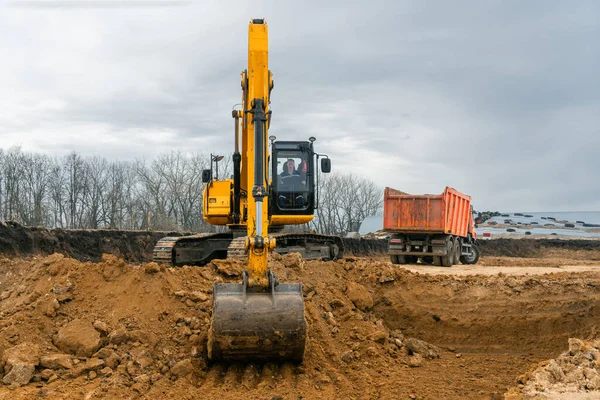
column 379, row 334
column 416, row 346
column 415, row 360
column 101, row 327
column 78, row 337
column 119, row 336
column 199, row 296
column 575, row 345
column 62, row 288
column 93, row 364
column 51, row 259
column 228, row 268
column 113, row 360
column 103, row 353
column 387, row 275
column 20, row 362
column 46, row 374
column 182, row 368
column 19, row 374
column 112, row 267
column 49, row 305
column 360, row 296
column 142, row 336
column 56, row 361
column 293, row 260
column 152, row 268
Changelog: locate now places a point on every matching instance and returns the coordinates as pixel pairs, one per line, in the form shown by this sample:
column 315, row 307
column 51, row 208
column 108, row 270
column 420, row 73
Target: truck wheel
column 394, row 258
column 448, row 259
column 471, row 258
column 457, row 250
column 437, row 261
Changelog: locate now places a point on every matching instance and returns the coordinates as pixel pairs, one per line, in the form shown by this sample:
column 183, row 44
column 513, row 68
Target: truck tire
column 402, row 260
column 457, row 250
column 471, row 258
column 398, row 259
column 437, row 261
column 448, row 259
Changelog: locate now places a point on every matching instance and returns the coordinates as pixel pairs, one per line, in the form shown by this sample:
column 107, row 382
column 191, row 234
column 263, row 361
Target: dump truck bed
column 446, row 213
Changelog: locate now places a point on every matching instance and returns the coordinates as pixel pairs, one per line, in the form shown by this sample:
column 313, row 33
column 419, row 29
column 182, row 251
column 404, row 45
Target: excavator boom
column 260, row 318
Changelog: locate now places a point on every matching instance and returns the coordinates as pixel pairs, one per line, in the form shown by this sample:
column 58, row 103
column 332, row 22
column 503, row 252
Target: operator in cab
column 289, row 168
column 293, row 181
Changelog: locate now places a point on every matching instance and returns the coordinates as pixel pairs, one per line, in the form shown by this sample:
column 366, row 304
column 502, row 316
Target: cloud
column 497, row 99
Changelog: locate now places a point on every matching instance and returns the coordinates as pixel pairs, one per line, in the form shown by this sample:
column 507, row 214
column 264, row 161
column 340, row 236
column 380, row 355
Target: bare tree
column 76, row 184
column 345, row 200
column 94, row 192
column 12, row 163
column 165, row 193
column 35, row 172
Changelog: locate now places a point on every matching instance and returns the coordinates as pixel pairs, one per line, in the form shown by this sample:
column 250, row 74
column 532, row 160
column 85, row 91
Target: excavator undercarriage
column 200, row 249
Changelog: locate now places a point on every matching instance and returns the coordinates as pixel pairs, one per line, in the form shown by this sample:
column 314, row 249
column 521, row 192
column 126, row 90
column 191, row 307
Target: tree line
column 164, row 193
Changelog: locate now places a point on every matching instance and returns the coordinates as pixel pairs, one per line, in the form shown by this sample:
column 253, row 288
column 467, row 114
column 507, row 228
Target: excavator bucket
column 254, row 324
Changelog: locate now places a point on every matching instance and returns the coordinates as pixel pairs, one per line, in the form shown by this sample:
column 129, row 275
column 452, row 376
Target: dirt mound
column 533, row 247
column 113, row 329
column 575, row 372
column 133, row 246
column 137, row 246
column 81, row 244
column 365, row 247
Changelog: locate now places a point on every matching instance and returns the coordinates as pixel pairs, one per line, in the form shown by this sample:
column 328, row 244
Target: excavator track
column 237, row 249
column 202, row 248
column 197, row 249
column 312, row 246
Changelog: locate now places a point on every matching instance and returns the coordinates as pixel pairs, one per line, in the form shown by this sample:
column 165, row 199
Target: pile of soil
column 72, row 329
column 575, row 373
column 532, row 248
column 81, row 244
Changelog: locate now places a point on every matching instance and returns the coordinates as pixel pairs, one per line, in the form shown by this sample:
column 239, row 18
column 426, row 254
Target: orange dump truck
column 438, row 229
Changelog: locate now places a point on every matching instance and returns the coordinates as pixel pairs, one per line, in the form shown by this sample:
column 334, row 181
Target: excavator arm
column 259, row 319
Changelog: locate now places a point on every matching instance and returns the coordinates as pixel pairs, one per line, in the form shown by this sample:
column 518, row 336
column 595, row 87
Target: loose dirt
column 113, row 329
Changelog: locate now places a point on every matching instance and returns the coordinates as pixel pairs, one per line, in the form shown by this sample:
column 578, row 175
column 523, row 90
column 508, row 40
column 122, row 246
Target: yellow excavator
column 259, row 318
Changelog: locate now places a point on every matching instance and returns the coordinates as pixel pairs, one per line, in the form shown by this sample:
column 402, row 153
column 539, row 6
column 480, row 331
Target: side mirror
column 206, row 175
column 325, row 165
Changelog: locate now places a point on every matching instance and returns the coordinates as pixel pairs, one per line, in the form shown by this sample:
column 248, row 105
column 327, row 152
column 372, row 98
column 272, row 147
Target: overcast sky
column 498, row 99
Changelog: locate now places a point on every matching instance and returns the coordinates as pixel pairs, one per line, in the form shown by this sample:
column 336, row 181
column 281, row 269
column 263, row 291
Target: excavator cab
column 293, row 177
